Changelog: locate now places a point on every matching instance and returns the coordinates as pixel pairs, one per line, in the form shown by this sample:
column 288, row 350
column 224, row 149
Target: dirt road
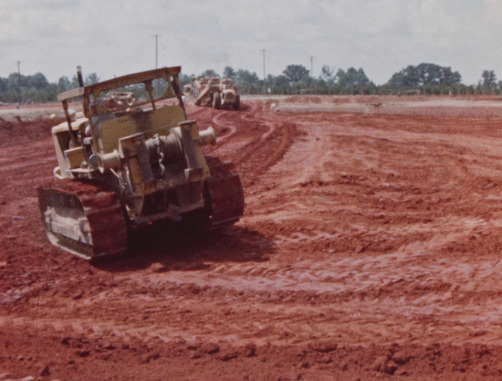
column 370, row 249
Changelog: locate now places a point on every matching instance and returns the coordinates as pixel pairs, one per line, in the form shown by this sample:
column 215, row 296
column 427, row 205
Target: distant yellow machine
column 129, row 160
column 213, row 92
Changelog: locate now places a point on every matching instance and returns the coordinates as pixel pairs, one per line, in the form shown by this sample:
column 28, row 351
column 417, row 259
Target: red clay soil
column 370, row 249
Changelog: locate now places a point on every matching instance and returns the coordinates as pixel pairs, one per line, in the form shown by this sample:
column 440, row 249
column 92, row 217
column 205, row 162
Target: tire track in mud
column 92, row 328
column 15, row 161
column 309, row 300
column 316, row 178
column 312, row 281
column 375, row 232
column 8, row 165
column 251, row 141
column 310, row 178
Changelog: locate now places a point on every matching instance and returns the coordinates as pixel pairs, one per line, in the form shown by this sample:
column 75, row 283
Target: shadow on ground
column 179, row 248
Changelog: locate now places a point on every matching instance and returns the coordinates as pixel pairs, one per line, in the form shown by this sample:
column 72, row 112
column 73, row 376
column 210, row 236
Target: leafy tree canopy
column 247, row 77
column 91, row 79
column 296, row 73
column 352, row 78
column 229, row 72
column 209, row 73
column 38, row 81
column 327, row 73
column 489, row 79
column 425, row 74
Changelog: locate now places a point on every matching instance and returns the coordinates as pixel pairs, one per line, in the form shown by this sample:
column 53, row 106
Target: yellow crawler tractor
column 127, row 165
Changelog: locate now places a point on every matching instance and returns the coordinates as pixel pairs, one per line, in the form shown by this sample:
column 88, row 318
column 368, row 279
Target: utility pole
column 19, row 80
column 156, row 50
column 312, row 66
column 264, row 77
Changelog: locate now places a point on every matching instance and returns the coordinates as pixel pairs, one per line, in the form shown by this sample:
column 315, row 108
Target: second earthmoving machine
column 219, row 93
column 131, row 159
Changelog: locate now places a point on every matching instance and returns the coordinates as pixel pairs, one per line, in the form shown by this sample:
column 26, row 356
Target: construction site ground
column 370, row 249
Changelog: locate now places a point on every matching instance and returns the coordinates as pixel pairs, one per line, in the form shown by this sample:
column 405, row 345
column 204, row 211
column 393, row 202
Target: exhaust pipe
column 80, row 76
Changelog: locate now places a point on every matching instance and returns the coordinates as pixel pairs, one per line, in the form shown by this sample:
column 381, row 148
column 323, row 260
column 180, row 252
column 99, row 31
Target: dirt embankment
column 369, row 249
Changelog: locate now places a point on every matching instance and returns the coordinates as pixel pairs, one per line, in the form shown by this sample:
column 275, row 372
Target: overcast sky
column 116, row 37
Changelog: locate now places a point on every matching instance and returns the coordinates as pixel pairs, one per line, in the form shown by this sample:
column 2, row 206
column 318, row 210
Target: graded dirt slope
column 370, row 249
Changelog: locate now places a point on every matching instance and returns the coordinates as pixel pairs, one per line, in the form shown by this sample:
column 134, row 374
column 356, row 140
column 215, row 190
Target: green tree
column 37, row 81
column 449, row 77
column 209, row 73
column 3, row 86
column 405, row 78
column 247, row 77
column 186, row 79
column 279, row 84
column 229, row 72
column 91, row 79
column 425, row 74
column 296, row 73
column 327, row 74
column 489, row 79
column 63, row 84
column 247, row 82
column 74, row 82
column 353, row 81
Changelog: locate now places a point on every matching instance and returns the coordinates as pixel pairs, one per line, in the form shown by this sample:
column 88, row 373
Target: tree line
column 36, row 88
column 425, row 78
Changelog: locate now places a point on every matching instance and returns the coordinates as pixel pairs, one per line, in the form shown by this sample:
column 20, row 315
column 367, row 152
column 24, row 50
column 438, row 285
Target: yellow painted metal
column 149, row 122
column 75, row 157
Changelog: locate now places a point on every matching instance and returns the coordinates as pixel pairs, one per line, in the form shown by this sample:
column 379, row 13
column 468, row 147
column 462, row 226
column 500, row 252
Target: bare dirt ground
column 370, row 249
